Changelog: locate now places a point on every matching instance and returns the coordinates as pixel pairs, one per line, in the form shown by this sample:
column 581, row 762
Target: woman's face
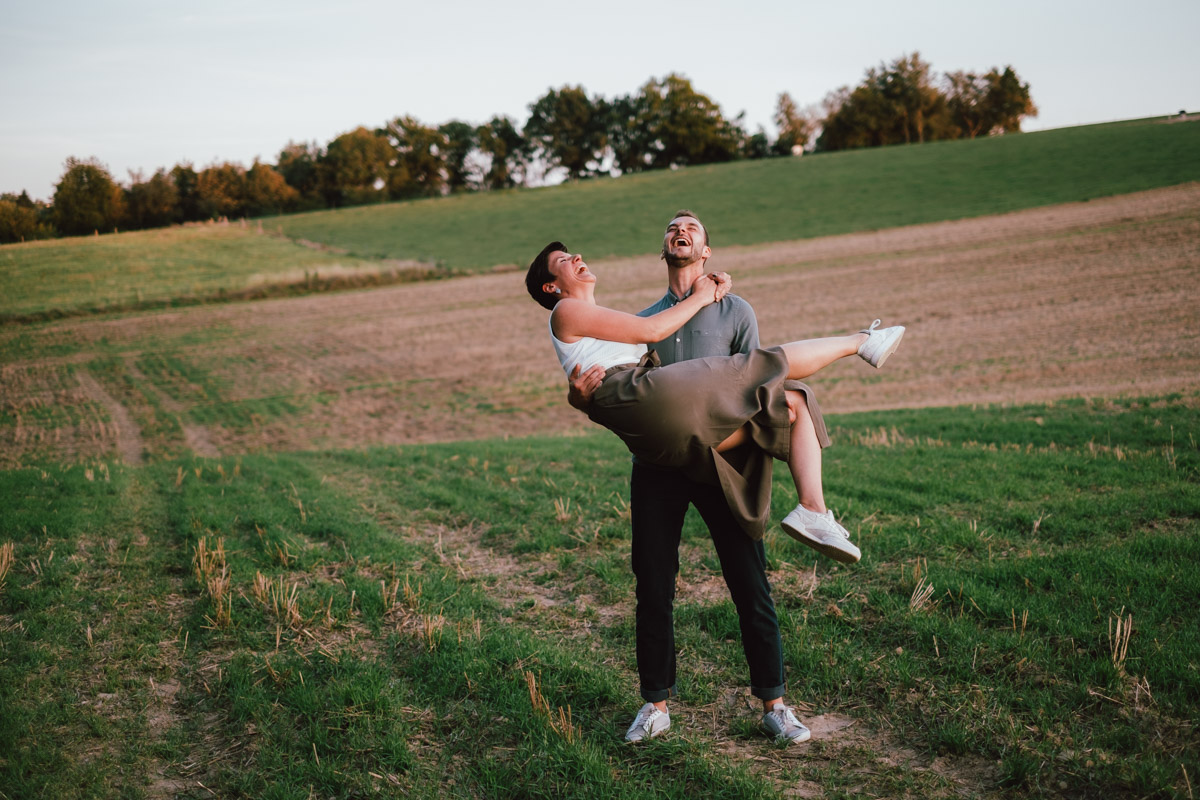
column 570, row 271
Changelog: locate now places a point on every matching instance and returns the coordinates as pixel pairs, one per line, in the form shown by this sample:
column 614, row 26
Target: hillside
column 1084, row 299
column 744, row 203
column 773, row 200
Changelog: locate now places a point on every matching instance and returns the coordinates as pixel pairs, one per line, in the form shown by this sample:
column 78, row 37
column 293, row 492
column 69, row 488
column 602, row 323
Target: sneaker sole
column 653, row 735
column 804, row 737
column 837, row 554
column 891, row 348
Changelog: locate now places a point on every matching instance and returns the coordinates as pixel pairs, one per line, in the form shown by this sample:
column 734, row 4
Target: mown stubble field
column 1085, row 299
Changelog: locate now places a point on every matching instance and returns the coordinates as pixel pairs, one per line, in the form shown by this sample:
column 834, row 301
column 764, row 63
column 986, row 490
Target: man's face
column 685, row 242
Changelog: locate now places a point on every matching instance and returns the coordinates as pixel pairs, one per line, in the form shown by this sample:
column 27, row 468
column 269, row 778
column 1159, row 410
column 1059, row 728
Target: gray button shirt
column 718, row 329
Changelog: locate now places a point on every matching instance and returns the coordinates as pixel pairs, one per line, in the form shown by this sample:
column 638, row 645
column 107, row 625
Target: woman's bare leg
column 804, row 358
column 810, row 355
column 738, row 437
column 804, row 456
column 804, row 452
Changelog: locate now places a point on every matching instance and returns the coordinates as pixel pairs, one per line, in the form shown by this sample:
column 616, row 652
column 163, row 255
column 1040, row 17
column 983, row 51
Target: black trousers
column 659, row 499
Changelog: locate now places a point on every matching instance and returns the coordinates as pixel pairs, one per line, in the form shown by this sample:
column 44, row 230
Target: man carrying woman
column 713, row 414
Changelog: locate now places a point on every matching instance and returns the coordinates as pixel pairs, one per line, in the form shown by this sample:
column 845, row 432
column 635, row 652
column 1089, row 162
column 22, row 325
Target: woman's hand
column 705, row 288
column 724, row 284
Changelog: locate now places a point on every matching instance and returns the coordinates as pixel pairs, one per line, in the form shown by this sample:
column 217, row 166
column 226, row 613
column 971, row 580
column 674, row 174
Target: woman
column 693, row 414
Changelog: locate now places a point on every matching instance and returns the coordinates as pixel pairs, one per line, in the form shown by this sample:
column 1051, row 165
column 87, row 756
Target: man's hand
column 582, row 387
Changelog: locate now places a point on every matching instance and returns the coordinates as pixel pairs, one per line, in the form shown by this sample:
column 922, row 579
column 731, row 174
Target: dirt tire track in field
column 130, row 445
column 195, row 435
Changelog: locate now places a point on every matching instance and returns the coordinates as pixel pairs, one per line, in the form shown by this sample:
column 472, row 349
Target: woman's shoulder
column 559, row 321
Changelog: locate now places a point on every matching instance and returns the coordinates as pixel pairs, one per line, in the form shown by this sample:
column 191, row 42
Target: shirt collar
column 672, row 298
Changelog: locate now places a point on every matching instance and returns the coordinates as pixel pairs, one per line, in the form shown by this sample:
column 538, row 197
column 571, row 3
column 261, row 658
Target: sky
column 141, row 85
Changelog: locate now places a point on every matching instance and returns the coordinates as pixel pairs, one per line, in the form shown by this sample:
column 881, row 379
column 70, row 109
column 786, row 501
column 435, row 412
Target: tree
column 901, row 102
column 185, row 179
column 682, row 126
column 987, row 104
column 796, row 126
column 567, row 129
column 417, row 168
column 630, row 137
column 1009, row 100
column 20, row 219
column 267, row 192
column 86, row 198
column 856, row 117
column 758, row 145
column 299, row 164
column 151, row 203
column 504, row 148
column 669, row 124
column 221, row 190
column 895, row 103
column 966, row 100
column 907, row 86
column 354, row 169
column 458, row 144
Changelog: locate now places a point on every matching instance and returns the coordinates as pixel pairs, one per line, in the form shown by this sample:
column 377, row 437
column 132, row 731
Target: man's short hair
column 687, row 212
column 539, row 275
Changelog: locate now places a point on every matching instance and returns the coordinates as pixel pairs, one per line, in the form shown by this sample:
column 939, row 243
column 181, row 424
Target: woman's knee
column 797, row 405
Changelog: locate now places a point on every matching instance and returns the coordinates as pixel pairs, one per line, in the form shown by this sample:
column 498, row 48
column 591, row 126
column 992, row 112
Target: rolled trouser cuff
column 658, row 695
column 768, row 694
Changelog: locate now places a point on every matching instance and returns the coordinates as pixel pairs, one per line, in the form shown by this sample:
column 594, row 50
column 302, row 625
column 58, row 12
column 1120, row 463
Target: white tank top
column 589, row 352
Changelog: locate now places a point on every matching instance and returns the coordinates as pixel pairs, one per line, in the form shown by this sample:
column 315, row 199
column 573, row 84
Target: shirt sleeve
column 745, row 337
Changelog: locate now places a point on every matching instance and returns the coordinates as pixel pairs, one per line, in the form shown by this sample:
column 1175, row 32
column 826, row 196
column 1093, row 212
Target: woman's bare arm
column 574, row 319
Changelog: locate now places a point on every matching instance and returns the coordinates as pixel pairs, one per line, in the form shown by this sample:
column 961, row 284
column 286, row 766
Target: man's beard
column 675, row 262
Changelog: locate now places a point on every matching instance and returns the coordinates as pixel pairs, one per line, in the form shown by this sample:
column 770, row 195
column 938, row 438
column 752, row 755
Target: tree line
column 667, row 123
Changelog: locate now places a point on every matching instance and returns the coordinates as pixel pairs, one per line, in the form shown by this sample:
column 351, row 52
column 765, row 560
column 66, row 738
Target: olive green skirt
column 675, row 416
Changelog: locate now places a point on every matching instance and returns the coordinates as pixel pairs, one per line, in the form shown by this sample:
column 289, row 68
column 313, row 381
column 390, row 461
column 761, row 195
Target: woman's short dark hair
column 539, row 275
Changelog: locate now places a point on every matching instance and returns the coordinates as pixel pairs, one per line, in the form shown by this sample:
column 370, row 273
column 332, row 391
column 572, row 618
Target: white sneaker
column 781, row 723
column 822, row 533
column 880, row 343
column 648, row 723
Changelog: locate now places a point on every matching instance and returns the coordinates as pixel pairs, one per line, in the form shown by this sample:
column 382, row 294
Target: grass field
column 773, row 200
column 454, row 620
column 354, row 544
column 743, row 203
column 172, row 266
column 1090, row 299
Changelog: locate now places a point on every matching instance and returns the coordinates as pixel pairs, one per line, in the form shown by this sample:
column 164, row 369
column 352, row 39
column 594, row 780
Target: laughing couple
column 700, row 405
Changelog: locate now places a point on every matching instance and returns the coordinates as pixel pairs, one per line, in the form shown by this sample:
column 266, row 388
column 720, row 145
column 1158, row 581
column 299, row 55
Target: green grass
column 773, row 200
column 430, row 583
column 744, row 203
column 149, row 269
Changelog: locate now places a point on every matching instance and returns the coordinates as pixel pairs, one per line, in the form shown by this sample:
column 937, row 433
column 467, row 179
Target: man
column 659, row 498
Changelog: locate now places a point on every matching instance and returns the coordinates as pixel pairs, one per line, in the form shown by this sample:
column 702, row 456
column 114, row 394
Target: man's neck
column 680, row 279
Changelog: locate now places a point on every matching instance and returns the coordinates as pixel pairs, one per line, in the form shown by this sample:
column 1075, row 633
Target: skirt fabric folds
column 675, row 416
